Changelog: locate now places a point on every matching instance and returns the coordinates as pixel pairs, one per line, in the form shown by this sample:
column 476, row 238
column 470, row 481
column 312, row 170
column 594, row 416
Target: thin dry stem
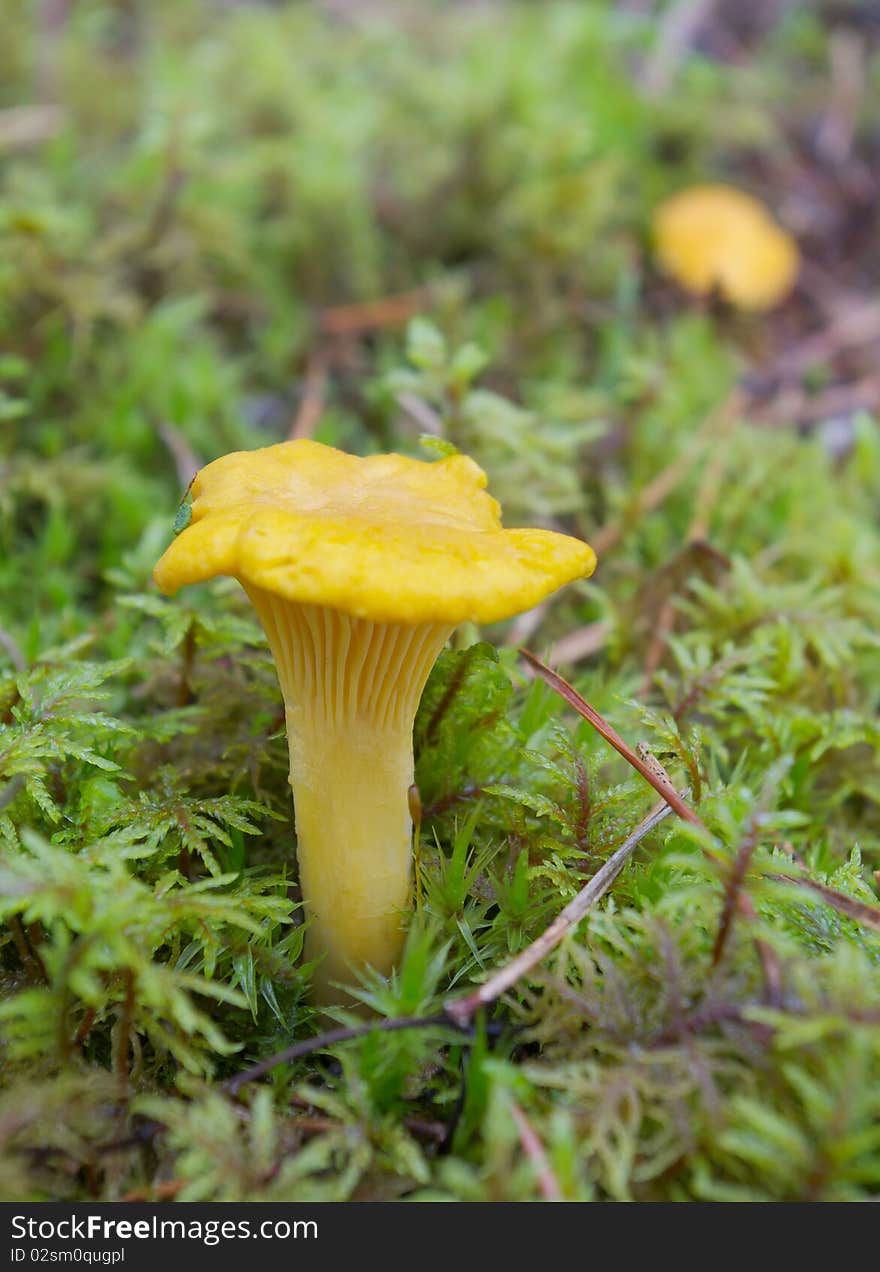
column 329, row 1039
column 389, row 311
column 462, row 1009
column 186, row 462
column 314, row 394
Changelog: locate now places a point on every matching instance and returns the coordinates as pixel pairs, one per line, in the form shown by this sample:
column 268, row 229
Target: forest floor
column 223, row 225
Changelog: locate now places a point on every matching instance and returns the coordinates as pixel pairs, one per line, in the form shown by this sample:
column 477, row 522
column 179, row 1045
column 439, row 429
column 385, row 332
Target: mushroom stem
column 351, row 688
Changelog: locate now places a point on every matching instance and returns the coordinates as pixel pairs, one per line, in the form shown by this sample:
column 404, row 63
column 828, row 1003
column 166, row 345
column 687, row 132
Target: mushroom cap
column 386, row 538
column 717, row 236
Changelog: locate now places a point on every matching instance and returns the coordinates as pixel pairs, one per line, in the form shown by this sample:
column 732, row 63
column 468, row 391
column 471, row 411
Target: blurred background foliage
column 410, row 226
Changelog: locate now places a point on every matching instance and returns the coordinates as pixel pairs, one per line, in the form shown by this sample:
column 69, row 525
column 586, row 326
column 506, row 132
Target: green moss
column 165, row 260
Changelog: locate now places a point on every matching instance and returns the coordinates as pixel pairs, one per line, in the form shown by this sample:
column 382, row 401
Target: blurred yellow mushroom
column 714, row 236
column 359, row 569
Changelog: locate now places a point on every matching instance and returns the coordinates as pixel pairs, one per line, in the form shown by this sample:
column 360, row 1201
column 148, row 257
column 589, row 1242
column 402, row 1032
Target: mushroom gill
column 351, row 688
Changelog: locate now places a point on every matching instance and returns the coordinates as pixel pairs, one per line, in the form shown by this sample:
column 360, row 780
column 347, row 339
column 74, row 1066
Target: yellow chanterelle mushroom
column 359, row 569
column 715, row 236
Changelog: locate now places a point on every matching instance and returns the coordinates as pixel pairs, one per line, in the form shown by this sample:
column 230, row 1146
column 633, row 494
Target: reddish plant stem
column 732, row 892
column 536, row 1153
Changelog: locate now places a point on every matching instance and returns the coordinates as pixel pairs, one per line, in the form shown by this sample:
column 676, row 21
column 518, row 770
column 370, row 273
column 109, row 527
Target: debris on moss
column 411, row 237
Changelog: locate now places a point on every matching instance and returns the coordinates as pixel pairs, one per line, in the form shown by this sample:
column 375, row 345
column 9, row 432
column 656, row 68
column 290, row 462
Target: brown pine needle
column 583, row 642
column 312, row 402
column 388, row 311
column 582, row 707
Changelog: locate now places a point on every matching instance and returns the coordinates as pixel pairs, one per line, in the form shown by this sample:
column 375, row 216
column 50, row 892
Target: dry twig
column 583, row 642
column 329, row 1039
column 186, row 461
column 422, row 415
column 312, row 401
column 461, row 1010
column 796, row 406
column 389, row 311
